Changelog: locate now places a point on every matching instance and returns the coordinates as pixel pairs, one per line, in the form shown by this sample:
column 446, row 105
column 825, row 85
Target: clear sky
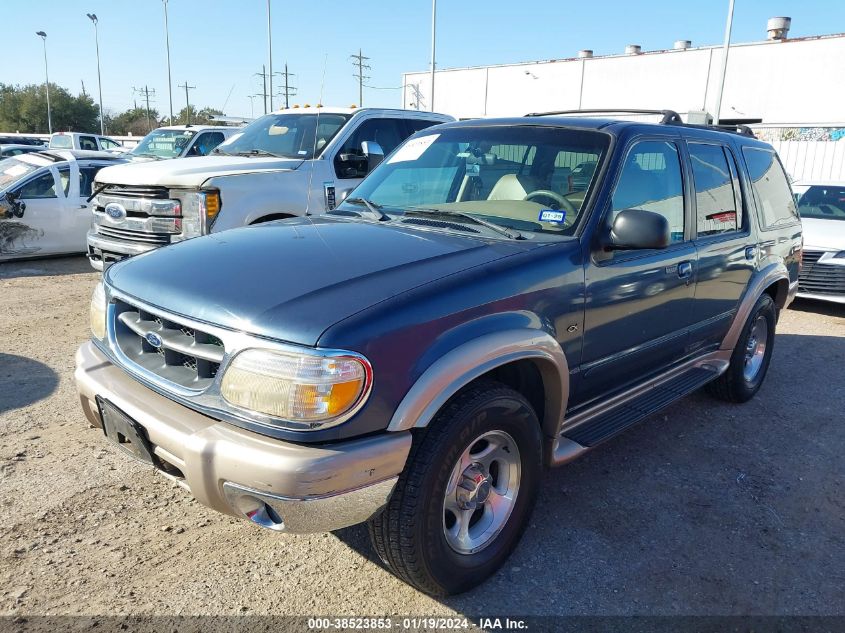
column 218, row 45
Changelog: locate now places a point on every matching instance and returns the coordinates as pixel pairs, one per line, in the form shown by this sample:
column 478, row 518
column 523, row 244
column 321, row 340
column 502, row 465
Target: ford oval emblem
column 153, row 339
column 115, row 211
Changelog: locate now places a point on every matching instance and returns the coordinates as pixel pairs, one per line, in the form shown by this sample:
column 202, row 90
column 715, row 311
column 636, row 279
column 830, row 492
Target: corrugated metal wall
column 808, row 153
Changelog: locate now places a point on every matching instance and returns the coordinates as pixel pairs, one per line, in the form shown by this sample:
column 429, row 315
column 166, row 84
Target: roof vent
column 633, row 49
column 778, row 28
column 682, row 45
column 585, row 53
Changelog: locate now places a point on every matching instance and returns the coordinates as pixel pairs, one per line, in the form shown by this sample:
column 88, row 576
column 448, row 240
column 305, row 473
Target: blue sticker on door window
column 548, row 215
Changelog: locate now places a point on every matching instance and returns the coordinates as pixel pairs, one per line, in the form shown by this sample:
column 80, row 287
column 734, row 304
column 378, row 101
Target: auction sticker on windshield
column 413, row 149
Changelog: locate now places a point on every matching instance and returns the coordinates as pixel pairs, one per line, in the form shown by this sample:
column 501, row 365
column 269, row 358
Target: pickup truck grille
column 134, row 191
column 173, row 351
column 820, row 278
column 158, row 239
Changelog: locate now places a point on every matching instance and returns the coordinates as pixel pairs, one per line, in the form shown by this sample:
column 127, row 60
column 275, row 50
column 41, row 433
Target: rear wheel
column 751, row 356
column 464, row 499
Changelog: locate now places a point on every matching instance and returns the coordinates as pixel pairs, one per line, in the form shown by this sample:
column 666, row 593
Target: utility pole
column 288, row 91
column 146, row 93
column 270, row 53
column 169, row 80
column 187, row 101
column 95, row 21
column 252, row 105
column 725, row 49
column 358, row 60
column 263, row 75
column 433, row 45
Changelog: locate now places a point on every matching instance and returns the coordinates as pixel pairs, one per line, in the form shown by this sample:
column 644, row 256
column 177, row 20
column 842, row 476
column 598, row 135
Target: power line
column 187, row 101
column 358, row 60
column 288, row 91
column 146, row 93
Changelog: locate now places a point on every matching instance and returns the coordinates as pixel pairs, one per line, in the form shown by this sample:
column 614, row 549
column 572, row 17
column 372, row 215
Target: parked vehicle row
column 495, row 297
column 87, row 142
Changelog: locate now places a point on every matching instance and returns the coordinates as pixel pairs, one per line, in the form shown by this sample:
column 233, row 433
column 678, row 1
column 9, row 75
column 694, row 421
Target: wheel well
column 271, row 217
column 778, row 291
column 522, row 376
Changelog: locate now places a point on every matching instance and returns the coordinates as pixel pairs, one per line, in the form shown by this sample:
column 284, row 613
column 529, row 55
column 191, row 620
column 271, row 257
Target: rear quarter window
column 775, row 202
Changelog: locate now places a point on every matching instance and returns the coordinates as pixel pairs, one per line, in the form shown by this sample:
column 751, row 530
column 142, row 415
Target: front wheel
column 751, row 356
column 464, row 499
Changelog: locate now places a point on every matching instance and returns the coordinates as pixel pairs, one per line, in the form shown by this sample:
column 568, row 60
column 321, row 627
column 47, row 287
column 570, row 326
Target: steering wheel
column 562, row 202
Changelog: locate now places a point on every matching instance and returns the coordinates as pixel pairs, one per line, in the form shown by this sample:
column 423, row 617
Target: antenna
column 316, row 129
column 187, row 101
column 226, row 102
column 358, row 60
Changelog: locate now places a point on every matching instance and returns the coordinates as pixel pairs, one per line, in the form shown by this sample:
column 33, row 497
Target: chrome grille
column 133, row 191
column 177, row 353
column 820, row 278
column 133, row 236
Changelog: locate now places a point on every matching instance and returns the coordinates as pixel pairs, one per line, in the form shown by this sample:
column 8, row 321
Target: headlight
column 199, row 209
column 310, row 389
column 98, row 312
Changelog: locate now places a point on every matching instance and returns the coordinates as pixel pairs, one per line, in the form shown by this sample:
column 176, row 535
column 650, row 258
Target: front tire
column 751, row 356
column 466, row 494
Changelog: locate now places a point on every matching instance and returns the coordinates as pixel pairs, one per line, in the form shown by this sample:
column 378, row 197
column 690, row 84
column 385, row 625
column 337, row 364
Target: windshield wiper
column 498, row 228
column 374, row 208
column 217, row 150
column 258, row 152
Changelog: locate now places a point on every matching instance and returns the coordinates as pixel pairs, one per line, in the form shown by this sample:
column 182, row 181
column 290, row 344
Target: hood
column 823, row 234
column 191, row 172
column 292, row 280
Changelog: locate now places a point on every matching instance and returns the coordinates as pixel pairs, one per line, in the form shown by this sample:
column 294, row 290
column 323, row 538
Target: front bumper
column 102, row 251
column 307, row 488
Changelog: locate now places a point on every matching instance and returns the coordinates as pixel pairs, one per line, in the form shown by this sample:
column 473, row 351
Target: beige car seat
column 513, row 187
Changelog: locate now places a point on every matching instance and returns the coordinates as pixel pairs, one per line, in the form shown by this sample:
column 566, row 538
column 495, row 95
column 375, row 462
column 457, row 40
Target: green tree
column 196, row 118
column 24, row 109
column 133, row 121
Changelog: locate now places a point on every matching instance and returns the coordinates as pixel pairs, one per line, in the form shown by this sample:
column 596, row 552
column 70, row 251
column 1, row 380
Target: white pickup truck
column 288, row 163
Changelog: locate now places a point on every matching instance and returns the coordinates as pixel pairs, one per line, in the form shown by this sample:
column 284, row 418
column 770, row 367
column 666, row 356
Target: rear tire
column 466, row 494
column 751, row 356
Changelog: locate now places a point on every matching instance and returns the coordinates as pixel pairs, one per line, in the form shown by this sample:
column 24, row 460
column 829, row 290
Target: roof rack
column 744, row 130
column 668, row 116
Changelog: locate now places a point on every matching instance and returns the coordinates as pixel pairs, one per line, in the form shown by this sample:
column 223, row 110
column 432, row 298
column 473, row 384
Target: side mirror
column 639, row 229
column 374, row 154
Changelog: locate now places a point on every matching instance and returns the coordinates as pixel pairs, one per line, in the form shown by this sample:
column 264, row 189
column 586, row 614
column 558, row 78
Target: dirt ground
column 706, row 508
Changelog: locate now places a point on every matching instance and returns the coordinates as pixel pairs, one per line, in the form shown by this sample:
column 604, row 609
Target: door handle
column 750, row 252
column 685, row 270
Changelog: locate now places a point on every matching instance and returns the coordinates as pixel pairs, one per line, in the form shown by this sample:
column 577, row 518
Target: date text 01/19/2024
column 414, row 623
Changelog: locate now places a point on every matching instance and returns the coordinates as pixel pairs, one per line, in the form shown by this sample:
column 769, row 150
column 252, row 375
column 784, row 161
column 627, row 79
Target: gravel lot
column 706, row 508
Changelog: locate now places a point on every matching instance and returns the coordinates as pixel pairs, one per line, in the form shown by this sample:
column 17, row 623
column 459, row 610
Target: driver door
column 38, row 232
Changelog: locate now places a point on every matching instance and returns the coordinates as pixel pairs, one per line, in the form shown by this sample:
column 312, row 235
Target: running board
column 590, row 428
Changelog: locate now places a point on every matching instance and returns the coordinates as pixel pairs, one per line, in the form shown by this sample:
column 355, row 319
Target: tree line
column 24, row 109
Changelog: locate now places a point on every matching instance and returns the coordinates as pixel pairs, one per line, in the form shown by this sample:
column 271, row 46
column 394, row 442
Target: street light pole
column 725, row 49
column 433, row 45
column 169, row 80
column 93, row 18
column 270, row 53
column 43, row 37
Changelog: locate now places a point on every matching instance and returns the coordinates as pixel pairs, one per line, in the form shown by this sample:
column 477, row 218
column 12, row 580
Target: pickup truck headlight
column 98, row 312
column 199, row 209
column 307, row 388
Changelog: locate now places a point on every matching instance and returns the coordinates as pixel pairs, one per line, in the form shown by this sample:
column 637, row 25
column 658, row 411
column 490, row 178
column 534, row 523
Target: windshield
column 525, row 178
column 823, row 203
column 164, row 143
column 287, row 135
column 13, row 170
column 61, row 141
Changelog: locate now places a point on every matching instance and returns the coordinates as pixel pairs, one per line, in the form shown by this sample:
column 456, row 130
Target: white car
column 44, row 207
column 92, row 142
column 822, row 208
column 181, row 141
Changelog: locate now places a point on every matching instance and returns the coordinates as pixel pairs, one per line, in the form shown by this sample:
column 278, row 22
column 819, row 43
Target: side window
column 415, row 125
column 205, row 143
column 651, row 180
column 715, row 190
column 64, row 179
column 43, row 186
column 388, row 133
column 88, row 142
column 108, row 143
column 86, row 180
column 776, row 206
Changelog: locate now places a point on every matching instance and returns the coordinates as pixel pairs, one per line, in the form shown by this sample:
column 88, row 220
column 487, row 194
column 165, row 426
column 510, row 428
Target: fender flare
column 470, row 360
column 773, row 273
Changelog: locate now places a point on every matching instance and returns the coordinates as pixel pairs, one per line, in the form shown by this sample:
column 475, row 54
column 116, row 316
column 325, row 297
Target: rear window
column 61, row 141
column 775, row 204
column 823, row 203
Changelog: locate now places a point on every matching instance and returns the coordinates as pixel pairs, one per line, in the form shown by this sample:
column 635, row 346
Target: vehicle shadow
column 705, row 508
column 818, row 307
column 24, row 381
column 45, row 267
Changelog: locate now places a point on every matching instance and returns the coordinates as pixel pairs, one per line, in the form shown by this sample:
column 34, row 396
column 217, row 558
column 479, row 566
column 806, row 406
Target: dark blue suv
column 496, row 297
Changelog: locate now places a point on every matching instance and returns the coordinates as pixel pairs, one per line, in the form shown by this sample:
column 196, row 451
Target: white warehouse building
column 789, row 90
